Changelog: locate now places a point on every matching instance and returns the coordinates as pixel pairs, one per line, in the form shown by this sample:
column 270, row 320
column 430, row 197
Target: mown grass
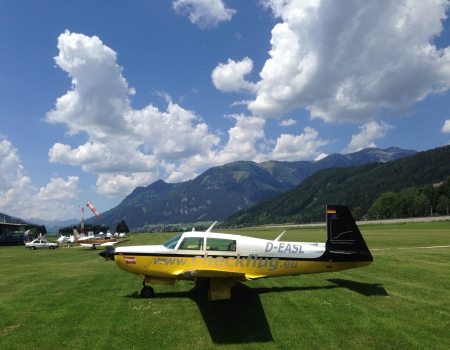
column 73, row 299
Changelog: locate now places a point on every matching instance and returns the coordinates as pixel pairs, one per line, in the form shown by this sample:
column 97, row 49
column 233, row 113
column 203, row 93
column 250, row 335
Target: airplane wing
column 111, row 244
column 214, row 274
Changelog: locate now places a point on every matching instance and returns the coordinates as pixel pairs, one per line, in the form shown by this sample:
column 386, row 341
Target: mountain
column 11, row 219
column 223, row 190
column 53, row 226
column 352, row 186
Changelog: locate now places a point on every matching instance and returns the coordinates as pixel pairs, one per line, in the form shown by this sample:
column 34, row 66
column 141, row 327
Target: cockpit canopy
column 201, row 242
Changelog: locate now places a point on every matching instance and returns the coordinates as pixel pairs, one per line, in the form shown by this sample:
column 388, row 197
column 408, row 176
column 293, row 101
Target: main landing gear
column 147, row 291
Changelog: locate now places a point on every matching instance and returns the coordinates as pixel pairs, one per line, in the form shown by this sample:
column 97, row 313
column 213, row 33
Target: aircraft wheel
column 147, row 292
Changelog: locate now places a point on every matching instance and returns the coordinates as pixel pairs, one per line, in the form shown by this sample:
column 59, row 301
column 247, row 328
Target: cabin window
column 192, row 243
column 171, row 243
column 221, row 244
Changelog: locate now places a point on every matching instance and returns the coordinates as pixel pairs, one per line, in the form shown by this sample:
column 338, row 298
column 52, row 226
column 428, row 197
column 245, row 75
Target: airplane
column 94, row 241
column 222, row 259
column 63, row 239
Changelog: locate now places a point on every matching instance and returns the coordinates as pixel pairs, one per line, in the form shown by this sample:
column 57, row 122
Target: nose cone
column 108, row 254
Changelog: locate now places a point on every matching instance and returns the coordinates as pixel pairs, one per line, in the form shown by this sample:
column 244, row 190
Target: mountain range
column 353, row 186
column 223, row 190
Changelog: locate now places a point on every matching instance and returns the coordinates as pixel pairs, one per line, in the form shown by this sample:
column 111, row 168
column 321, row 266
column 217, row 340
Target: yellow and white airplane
column 224, row 259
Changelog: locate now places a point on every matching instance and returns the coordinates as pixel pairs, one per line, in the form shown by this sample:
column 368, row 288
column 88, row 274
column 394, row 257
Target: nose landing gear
column 147, row 291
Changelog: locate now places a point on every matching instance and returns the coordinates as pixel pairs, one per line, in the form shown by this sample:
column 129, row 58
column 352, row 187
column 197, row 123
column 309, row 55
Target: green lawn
column 73, row 299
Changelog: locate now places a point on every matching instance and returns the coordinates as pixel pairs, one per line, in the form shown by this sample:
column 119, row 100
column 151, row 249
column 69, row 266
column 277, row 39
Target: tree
column 357, row 213
column 384, row 206
column 421, row 205
column 442, row 205
column 122, row 227
column 405, row 202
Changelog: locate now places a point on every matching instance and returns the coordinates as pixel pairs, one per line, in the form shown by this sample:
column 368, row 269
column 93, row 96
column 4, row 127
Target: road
column 372, row 222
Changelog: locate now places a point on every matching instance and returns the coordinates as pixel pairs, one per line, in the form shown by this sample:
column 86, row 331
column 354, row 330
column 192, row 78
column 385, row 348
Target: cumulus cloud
column 349, row 61
column 124, row 145
column 446, row 127
column 59, row 190
column 20, row 195
column 288, row 122
column 229, row 77
column 204, row 13
column 244, row 140
column 298, row 147
column 321, row 156
column 127, row 148
column 369, row 132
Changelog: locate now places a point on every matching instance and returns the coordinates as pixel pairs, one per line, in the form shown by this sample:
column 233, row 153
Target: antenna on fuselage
column 278, row 238
column 210, row 227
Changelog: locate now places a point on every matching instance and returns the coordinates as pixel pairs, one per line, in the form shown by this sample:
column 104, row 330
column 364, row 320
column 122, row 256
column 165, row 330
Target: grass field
column 73, row 299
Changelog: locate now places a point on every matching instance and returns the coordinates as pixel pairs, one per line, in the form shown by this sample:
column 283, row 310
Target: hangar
column 13, row 234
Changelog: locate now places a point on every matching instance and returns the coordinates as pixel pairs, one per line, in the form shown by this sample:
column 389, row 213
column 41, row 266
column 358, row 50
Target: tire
column 51, row 247
column 147, row 292
column 32, row 248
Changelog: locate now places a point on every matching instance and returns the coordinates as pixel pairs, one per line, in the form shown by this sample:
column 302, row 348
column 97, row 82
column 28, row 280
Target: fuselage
column 222, row 259
column 208, row 254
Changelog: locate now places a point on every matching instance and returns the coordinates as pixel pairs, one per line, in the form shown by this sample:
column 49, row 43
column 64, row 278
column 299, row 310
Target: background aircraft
column 221, row 259
column 94, row 241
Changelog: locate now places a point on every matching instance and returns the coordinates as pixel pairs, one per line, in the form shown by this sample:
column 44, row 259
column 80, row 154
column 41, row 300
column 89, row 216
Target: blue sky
column 98, row 98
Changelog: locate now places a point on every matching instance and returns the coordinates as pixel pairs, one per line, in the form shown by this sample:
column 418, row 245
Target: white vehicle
column 40, row 243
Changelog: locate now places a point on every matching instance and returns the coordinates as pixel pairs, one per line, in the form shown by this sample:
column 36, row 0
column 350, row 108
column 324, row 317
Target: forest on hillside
column 403, row 188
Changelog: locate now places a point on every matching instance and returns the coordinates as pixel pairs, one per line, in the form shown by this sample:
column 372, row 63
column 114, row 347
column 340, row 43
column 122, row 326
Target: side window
column 221, row 244
column 192, row 243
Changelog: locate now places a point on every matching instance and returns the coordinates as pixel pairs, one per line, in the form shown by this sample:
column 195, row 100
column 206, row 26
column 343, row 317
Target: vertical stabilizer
column 344, row 240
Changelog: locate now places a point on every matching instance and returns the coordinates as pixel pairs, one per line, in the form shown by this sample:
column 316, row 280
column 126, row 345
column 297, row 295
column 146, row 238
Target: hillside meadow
column 73, row 299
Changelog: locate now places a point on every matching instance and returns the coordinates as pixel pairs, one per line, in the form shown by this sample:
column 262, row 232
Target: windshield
column 171, row 243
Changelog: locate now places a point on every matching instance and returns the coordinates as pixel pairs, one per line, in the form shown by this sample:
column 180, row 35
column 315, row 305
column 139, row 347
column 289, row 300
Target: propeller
column 108, row 254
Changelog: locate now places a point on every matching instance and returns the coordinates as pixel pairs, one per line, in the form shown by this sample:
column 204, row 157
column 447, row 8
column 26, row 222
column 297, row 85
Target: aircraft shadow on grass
column 366, row 289
column 242, row 319
column 233, row 321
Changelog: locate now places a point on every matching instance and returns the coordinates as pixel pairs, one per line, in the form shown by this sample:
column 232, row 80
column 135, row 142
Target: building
column 13, row 234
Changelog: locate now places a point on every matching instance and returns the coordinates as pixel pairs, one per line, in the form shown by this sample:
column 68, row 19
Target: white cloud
column 18, row 194
column 242, row 139
column 204, row 13
column 243, row 143
column 288, row 122
column 111, row 185
column 59, row 190
column 229, row 77
column 369, row 132
column 125, row 146
column 11, row 169
column 298, row 147
column 349, row 61
column 320, row 156
column 446, row 127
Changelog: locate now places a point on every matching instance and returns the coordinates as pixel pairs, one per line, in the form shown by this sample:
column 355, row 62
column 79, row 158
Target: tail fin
column 344, row 240
column 75, row 234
